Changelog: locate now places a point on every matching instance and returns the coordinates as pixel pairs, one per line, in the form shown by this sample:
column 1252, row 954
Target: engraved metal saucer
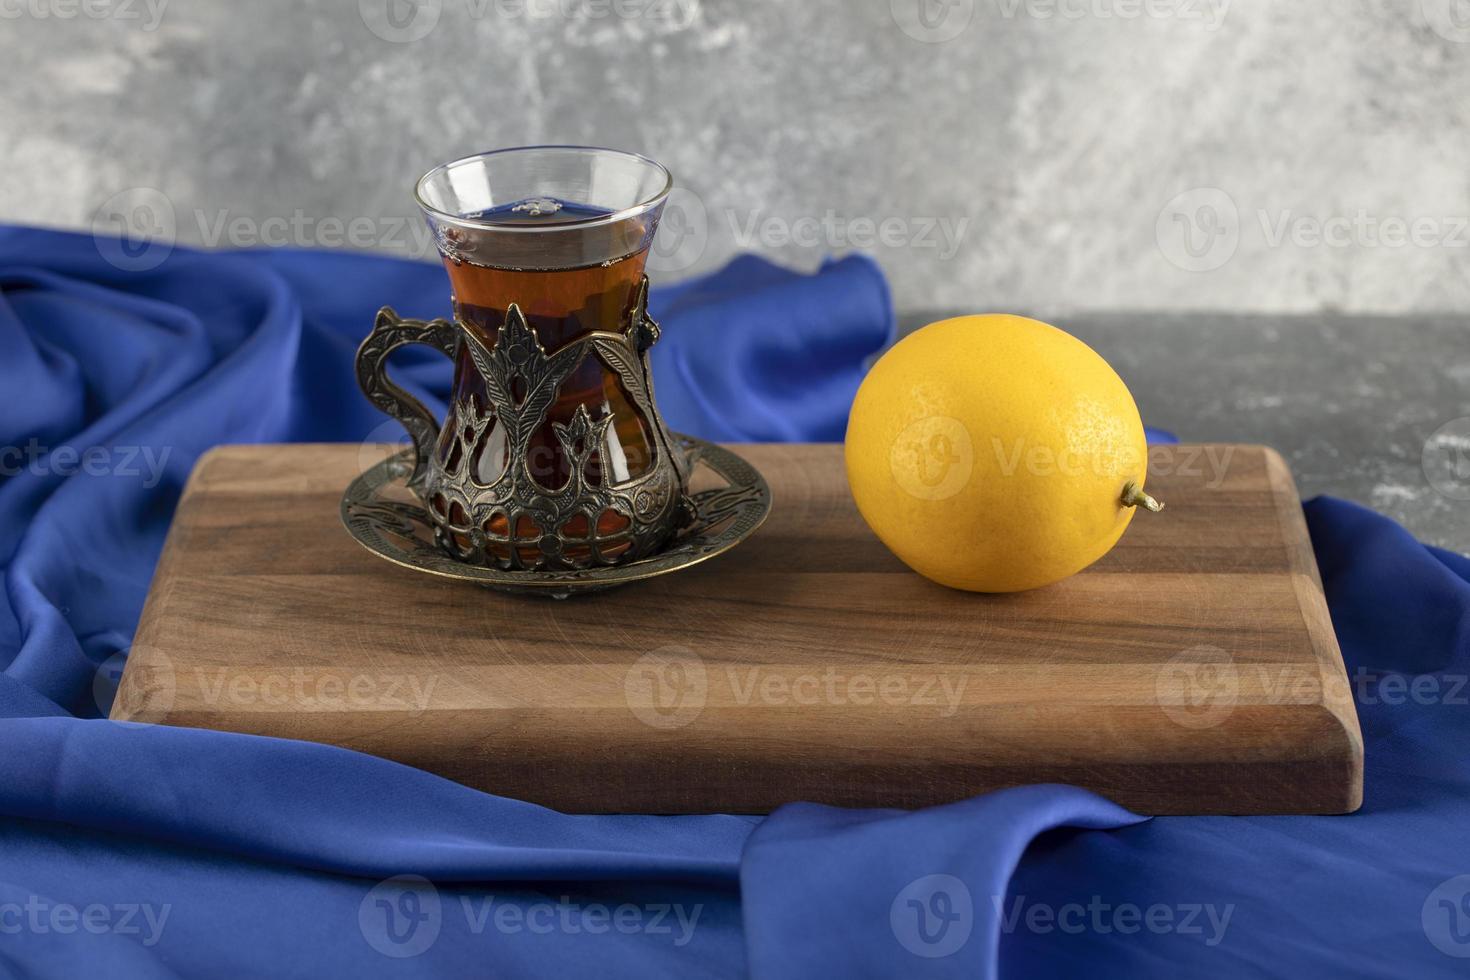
column 387, row 519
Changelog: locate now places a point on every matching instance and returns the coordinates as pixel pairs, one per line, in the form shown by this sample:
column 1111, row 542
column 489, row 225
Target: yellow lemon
column 996, row 453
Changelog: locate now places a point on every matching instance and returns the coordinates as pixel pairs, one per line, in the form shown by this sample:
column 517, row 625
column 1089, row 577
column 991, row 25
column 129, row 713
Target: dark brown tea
column 562, row 306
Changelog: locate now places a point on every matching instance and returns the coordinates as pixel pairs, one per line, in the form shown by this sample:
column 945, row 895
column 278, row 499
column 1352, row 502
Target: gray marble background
column 1304, row 162
column 1052, row 154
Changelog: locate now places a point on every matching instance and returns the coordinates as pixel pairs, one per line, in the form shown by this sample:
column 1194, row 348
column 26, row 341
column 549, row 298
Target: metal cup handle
column 390, row 332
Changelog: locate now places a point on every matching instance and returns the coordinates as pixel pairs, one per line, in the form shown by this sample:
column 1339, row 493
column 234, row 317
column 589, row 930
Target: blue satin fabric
column 144, row 851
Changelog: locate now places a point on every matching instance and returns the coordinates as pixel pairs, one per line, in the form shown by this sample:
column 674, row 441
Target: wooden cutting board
column 1192, row 670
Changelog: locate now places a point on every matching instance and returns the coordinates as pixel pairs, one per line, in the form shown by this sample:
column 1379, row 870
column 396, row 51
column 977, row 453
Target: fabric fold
column 211, row 789
column 919, row 894
column 203, row 853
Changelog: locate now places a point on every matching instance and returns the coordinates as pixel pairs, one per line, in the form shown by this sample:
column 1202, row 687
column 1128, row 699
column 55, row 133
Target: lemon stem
column 1134, row 496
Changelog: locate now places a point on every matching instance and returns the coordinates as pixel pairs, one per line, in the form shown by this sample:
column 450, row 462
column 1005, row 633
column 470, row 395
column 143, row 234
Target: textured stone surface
column 1051, row 135
column 1366, row 408
column 1066, row 145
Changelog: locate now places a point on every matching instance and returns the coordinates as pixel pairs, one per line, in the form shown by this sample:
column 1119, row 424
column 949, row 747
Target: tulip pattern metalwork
column 509, row 520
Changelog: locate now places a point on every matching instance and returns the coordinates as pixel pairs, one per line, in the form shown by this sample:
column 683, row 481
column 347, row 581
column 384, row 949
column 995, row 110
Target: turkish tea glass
column 552, row 455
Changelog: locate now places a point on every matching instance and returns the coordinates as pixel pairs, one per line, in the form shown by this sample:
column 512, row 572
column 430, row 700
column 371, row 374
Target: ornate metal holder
column 512, row 522
column 385, row 517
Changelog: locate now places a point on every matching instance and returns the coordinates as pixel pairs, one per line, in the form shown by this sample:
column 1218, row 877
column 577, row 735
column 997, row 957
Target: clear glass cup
column 563, row 232
column 552, row 455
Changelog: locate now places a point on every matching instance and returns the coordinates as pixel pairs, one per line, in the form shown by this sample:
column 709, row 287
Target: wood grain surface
column 1193, row 670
